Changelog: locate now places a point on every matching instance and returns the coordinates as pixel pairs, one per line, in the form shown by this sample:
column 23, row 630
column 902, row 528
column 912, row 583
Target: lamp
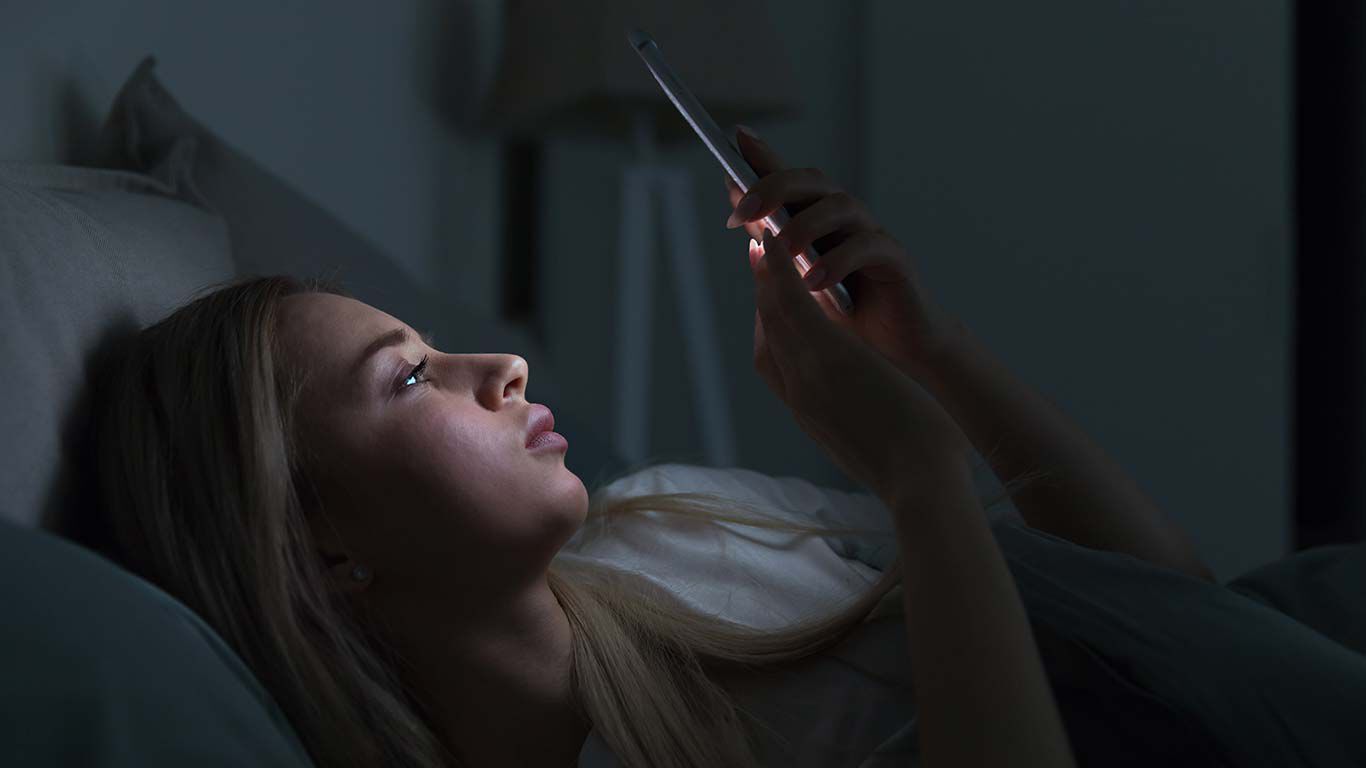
column 567, row 69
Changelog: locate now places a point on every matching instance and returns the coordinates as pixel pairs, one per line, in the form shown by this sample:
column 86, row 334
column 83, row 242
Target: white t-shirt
column 849, row 705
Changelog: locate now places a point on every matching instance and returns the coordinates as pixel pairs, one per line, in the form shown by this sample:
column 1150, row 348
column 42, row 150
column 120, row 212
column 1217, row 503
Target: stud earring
column 360, row 573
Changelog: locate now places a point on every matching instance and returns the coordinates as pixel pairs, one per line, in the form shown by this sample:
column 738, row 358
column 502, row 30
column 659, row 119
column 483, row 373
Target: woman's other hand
column 892, row 311
column 875, row 422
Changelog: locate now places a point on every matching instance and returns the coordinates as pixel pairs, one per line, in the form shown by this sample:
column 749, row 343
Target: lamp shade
column 567, row 68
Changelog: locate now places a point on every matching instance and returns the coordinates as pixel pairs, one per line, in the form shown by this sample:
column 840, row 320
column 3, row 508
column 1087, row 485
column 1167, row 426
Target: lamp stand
column 637, row 253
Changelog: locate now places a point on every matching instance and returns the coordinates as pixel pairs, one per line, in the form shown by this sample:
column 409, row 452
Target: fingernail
column 748, row 132
column 814, row 277
column 747, row 207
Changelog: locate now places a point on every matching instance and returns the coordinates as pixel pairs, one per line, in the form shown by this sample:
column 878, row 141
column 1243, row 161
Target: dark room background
column 1150, row 211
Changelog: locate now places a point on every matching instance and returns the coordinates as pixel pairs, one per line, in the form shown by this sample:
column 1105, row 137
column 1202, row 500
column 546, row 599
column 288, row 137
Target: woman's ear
column 347, row 574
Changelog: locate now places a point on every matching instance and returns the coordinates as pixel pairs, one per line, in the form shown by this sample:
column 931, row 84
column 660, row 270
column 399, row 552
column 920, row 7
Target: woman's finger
column 858, row 251
column 797, row 324
column 838, row 213
column 795, row 188
column 755, row 229
column 763, row 357
column 770, row 304
column 763, row 360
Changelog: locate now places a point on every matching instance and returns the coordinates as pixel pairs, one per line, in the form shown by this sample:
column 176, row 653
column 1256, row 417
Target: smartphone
column 726, row 153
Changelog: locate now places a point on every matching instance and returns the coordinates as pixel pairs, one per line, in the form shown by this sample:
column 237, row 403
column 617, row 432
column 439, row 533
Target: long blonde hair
column 201, row 479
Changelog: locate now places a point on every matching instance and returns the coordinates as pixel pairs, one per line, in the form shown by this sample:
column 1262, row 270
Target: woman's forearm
column 980, row 689
column 1084, row 496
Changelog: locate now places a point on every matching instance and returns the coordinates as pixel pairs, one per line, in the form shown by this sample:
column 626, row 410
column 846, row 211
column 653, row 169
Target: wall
column 1101, row 190
column 365, row 110
column 581, row 200
column 355, row 104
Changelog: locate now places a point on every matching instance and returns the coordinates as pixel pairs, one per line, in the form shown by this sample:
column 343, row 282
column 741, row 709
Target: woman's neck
column 498, row 688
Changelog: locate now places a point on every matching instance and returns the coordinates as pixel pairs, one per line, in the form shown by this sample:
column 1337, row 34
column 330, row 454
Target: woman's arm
column 980, row 688
column 1085, row 497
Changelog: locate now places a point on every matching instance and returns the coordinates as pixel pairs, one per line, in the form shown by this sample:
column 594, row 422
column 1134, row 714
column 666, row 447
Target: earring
column 360, row 573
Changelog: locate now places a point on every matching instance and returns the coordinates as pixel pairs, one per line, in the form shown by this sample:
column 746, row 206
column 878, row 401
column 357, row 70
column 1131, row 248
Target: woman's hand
column 875, row 422
column 892, row 312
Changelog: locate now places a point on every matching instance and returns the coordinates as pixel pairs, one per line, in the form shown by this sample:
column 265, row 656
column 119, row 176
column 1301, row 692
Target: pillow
column 89, row 257
column 106, row 670
column 753, row 576
column 275, row 229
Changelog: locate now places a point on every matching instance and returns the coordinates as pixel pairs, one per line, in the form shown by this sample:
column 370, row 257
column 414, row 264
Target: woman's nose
column 514, row 373
column 495, row 378
column 504, row 376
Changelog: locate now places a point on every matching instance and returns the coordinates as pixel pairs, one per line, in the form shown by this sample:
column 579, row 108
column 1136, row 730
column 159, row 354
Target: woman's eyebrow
column 397, row 336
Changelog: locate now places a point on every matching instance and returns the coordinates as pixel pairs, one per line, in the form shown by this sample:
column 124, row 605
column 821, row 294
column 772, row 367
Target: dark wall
column 1102, row 190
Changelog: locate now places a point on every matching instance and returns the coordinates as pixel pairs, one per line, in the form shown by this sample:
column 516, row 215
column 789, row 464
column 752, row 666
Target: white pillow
column 87, row 257
column 757, row 577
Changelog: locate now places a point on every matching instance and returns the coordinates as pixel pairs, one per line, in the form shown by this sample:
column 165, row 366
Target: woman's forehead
column 325, row 329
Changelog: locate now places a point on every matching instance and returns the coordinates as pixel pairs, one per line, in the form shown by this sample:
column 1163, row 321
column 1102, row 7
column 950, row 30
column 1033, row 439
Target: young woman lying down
column 373, row 525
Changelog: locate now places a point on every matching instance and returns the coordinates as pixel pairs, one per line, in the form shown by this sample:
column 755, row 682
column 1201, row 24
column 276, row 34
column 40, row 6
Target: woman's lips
column 541, row 420
column 548, row 440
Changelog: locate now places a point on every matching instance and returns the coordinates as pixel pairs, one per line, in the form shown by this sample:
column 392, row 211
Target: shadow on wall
column 448, row 60
column 78, row 124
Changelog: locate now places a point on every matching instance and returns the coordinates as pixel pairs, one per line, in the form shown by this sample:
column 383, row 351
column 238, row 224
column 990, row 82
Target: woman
column 359, row 516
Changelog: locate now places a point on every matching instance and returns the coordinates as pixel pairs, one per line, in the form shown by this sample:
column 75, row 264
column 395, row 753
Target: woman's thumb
column 778, row 262
column 785, row 292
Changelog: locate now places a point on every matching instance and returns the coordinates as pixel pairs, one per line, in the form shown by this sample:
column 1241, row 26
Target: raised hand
column 893, row 313
column 875, row 422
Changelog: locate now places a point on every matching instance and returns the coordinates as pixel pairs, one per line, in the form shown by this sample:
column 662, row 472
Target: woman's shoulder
column 792, row 499
column 783, row 492
column 755, row 576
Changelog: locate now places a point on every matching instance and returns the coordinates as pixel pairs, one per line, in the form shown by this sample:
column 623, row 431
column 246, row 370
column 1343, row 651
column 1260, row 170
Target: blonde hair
column 202, row 481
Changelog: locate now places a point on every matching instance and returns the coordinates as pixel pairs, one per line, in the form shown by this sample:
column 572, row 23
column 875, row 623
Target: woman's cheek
column 462, row 442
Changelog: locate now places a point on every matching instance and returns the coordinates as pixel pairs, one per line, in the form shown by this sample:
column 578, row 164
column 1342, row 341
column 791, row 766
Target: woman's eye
column 418, row 374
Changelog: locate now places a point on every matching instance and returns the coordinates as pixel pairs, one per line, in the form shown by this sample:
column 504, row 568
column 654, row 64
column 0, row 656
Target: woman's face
column 425, row 477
